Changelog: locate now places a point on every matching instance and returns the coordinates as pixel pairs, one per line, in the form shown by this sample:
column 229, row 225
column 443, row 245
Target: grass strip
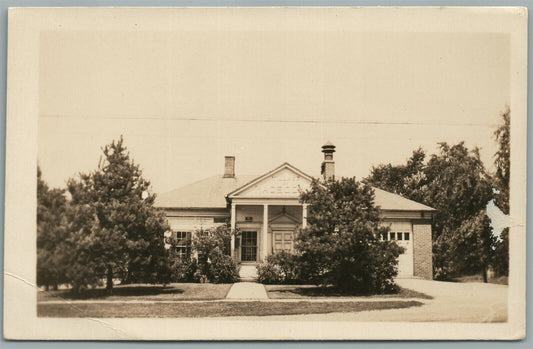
column 211, row 309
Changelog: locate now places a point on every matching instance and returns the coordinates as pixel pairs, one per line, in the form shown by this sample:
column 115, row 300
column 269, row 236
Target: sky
column 184, row 100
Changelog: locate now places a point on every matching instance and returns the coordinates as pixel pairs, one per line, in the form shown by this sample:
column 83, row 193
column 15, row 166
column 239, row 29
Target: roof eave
column 192, row 208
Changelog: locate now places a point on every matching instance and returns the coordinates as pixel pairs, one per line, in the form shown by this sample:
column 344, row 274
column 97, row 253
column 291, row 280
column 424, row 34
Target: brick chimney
column 229, row 167
column 328, row 165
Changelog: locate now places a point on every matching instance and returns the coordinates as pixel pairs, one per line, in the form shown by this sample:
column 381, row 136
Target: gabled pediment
column 286, row 181
column 284, row 218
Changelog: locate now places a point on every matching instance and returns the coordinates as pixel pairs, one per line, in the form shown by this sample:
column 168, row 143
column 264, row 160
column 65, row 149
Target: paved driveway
column 452, row 302
column 461, row 302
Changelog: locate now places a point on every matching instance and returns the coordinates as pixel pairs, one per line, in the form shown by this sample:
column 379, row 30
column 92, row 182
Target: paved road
column 452, row 302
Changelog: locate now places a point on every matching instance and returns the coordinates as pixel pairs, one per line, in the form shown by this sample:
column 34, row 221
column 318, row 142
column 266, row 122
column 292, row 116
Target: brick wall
column 422, row 251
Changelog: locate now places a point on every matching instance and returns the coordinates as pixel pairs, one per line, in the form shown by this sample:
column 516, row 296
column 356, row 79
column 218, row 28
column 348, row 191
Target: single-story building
column 267, row 211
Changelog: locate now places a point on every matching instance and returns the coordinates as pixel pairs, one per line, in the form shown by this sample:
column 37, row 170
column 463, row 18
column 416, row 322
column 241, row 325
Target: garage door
column 401, row 233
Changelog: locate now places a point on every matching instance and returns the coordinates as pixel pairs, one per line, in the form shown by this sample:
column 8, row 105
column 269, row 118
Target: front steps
column 248, row 272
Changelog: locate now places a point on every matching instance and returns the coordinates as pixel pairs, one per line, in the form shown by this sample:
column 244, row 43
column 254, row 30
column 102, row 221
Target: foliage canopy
column 455, row 182
column 341, row 244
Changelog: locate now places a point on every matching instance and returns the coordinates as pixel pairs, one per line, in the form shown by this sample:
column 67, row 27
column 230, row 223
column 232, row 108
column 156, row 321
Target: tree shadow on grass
column 331, row 291
column 119, row 291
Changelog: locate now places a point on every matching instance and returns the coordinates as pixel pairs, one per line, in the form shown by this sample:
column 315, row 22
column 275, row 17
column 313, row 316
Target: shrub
column 222, row 269
column 281, row 268
column 211, row 262
column 383, row 267
column 269, row 273
column 183, row 270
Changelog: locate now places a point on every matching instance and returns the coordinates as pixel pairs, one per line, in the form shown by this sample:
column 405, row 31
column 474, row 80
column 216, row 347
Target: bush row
column 220, row 269
column 373, row 275
column 209, row 260
column 281, row 268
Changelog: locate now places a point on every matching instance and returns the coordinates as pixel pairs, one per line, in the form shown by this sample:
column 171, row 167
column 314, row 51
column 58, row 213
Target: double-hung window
column 183, row 244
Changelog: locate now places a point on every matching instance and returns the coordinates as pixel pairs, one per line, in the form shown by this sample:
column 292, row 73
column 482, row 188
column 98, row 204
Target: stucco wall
column 422, row 243
column 190, row 223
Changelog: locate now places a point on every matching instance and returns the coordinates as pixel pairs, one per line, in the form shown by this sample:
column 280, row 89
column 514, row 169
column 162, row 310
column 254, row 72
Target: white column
column 233, row 218
column 304, row 215
column 265, row 231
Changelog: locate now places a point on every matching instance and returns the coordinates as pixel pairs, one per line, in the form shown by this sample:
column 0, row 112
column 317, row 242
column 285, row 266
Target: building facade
column 267, row 211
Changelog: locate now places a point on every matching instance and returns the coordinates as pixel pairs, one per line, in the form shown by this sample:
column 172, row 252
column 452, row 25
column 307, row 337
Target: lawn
column 312, row 292
column 178, row 291
column 210, row 309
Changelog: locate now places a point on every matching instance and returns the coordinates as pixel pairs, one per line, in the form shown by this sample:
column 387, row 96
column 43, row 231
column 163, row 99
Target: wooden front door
column 283, row 241
column 249, row 246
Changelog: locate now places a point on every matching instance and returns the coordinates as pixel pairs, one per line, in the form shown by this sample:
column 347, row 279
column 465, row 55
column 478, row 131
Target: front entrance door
column 249, row 246
column 283, row 241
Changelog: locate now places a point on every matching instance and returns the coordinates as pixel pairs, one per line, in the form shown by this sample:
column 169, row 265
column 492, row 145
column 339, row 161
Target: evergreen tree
column 117, row 232
column 51, row 234
column 341, row 244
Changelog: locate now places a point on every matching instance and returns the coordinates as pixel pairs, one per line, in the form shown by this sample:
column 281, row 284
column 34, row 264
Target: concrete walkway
column 247, row 290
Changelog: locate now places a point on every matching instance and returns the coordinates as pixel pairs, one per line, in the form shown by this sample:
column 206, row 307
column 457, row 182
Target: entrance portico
column 267, row 212
column 265, row 226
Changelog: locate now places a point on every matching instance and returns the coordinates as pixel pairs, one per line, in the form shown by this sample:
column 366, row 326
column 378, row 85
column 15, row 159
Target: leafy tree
column 454, row 182
column 116, row 230
column 501, row 179
column 472, row 246
column 500, row 262
column 407, row 180
column 458, row 187
column 502, row 162
column 341, row 244
column 51, row 233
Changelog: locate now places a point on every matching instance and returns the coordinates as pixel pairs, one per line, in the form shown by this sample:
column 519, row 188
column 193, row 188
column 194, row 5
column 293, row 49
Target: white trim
column 269, row 201
column 233, row 218
column 283, row 226
column 264, row 232
column 248, row 225
column 285, row 165
column 294, row 219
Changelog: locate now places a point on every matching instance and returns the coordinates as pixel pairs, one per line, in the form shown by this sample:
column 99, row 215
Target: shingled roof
column 394, row 202
column 211, row 193
column 207, row 193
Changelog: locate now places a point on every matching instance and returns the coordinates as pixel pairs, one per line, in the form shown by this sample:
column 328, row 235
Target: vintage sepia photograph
column 266, row 173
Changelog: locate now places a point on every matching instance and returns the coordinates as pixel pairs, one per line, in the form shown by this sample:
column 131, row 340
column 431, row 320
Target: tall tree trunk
column 109, row 285
column 55, row 287
column 485, row 278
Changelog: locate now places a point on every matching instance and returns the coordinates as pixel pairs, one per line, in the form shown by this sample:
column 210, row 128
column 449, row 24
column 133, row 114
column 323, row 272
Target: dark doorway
column 249, row 246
